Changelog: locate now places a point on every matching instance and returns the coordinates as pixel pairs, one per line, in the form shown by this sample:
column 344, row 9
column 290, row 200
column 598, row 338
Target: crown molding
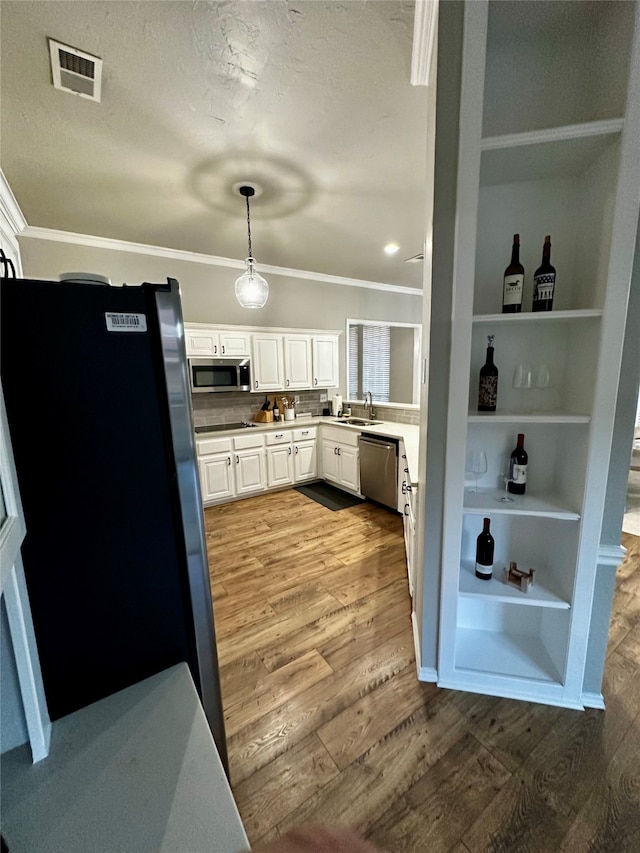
column 10, row 208
column 94, row 242
column 425, row 27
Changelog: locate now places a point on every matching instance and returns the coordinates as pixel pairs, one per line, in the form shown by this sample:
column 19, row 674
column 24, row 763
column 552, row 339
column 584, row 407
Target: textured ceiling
column 309, row 98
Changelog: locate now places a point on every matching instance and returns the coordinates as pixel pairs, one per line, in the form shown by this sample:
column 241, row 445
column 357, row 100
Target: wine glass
column 476, row 465
column 523, row 381
column 505, row 477
column 542, row 382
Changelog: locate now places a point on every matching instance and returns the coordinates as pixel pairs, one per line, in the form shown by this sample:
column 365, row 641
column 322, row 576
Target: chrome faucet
column 370, row 396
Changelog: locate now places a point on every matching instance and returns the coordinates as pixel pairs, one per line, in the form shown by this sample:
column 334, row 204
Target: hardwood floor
column 327, row 723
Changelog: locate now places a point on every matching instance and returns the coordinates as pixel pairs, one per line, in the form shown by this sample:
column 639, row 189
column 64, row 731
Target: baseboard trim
column 425, row 673
column 593, row 700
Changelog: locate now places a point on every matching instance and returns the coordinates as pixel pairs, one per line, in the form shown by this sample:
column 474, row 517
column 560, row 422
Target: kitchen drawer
column 213, row 445
column 341, row 435
column 304, row 434
column 246, row 440
column 281, row 437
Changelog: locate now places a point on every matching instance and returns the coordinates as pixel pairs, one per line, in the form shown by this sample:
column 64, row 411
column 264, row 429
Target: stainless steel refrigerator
column 96, row 388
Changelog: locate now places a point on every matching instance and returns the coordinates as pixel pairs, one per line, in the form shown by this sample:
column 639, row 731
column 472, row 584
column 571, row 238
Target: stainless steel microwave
column 208, row 375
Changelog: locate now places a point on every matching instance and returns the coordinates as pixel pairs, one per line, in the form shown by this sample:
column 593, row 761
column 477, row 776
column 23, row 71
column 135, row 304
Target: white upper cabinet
column 297, row 362
column 268, row 362
column 201, row 343
column 325, row 361
column 235, row 344
column 216, row 343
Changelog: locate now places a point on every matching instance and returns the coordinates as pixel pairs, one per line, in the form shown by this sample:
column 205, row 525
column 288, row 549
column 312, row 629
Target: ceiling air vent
column 75, row 71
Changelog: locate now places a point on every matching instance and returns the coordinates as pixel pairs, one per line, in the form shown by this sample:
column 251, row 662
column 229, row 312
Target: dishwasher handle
column 374, row 442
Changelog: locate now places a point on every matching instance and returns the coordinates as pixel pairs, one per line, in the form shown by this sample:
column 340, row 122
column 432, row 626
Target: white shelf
column 540, row 154
column 532, row 418
column 486, row 502
column 538, row 316
column 541, row 594
column 510, row 655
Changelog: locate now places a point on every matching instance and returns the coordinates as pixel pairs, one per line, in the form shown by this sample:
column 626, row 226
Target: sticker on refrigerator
column 117, row 322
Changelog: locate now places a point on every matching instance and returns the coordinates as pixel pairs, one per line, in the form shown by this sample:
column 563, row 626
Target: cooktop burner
column 222, row 427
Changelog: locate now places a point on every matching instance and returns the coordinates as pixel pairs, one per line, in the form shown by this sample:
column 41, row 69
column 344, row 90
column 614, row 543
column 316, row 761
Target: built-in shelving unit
column 547, row 146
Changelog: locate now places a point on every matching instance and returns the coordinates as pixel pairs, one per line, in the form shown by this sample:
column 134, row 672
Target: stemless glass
column 476, row 465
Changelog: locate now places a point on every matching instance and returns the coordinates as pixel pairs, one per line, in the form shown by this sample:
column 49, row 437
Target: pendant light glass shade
column 252, row 291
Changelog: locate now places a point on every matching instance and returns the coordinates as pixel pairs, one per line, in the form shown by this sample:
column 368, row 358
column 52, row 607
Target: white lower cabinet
column 279, row 459
column 340, row 458
column 231, row 466
column 250, row 463
column 216, row 469
column 305, row 456
column 407, row 506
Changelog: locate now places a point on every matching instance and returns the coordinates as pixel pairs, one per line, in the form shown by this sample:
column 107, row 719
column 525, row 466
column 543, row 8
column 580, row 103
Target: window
column 383, row 358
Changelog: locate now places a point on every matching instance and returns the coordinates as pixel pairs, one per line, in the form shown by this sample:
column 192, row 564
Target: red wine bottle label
column 484, row 570
column 519, row 474
column 512, row 294
column 488, row 391
column 543, row 286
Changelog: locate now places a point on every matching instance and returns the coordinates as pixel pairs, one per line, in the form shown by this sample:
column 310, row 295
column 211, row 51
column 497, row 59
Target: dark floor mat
column 329, row 496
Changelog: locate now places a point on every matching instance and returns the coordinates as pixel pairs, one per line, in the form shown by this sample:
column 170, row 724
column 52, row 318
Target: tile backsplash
column 235, row 406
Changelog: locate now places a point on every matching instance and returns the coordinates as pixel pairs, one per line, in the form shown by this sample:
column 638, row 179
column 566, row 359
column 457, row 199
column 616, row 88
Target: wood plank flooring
column 327, row 722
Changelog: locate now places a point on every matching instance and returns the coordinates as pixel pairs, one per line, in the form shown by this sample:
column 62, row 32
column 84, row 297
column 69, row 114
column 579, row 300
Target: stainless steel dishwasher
column 379, row 469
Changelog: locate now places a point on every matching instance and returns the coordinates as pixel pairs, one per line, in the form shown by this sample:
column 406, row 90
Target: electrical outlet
column 323, row 398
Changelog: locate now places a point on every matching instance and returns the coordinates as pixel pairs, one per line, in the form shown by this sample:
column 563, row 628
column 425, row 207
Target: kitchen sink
column 357, row 422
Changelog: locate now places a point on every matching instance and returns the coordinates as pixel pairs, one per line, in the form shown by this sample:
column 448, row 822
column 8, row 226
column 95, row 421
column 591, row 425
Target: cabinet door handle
column 335, row 451
column 404, row 455
column 409, row 489
column 237, row 459
column 338, row 449
column 406, row 470
column 256, row 383
column 315, row 381
column 223, row 350
column 287, row 383
column 406, row 507
column 228, row 460
column 404, row 487
column 290, row 451
column 297, row 449
column 215, row 349
column 305, row 432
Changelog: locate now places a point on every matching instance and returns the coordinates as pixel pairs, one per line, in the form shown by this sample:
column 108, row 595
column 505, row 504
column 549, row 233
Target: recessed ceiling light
column 391, row 248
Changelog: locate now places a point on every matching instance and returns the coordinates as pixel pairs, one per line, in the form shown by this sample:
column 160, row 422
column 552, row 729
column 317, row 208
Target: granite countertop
column 409, row 433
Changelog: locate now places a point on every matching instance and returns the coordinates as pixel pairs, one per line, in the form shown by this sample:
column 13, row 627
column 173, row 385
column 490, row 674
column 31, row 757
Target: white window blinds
column 369, row 361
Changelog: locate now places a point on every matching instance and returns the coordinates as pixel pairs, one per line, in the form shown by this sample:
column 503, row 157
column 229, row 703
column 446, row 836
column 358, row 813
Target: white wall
column 207, row 290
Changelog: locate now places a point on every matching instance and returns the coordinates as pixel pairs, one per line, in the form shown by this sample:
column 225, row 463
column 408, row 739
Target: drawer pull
column 406, row 507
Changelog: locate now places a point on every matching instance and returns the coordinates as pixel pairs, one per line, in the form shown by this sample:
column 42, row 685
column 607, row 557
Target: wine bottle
column 488, row 387
column 513, row 282
column 544, row 280
column 518, row 468
column 484, row 552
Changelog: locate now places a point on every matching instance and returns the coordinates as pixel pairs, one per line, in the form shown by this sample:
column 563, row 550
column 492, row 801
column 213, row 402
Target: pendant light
column 252, row 291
